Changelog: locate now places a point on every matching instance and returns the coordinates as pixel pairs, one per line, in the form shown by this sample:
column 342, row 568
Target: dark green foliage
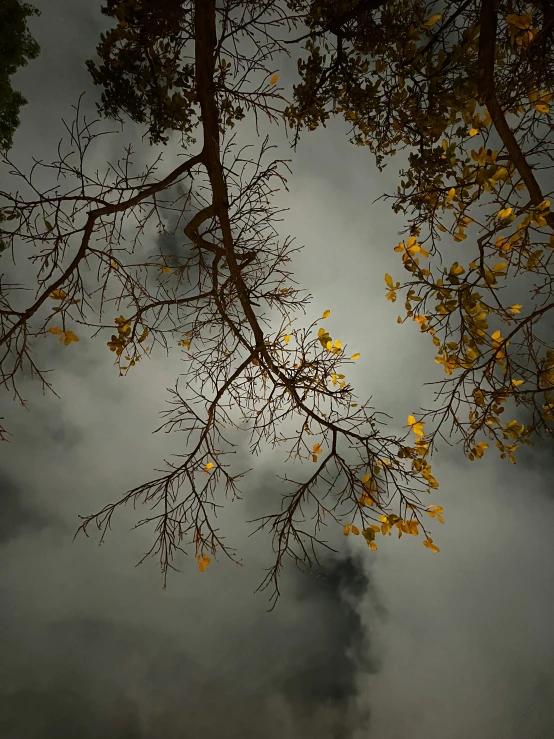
column 141, row 71
column 17, row 46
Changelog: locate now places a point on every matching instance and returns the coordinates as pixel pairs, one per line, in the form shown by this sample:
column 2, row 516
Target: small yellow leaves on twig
column 451, row 194
column 55, row 330
column 346, row 530
column 114, row 265
column 388, row 280
column 326, row 314
column 203, row 562
column 429, row 544
column 209, row 466
column 515, row 309
column 517, row 383
column 286, row 338
column 504, row 213
column 166, row 270
column 473, row 131
column 416, row 426
column 316, row 451
column 355, row 530
column 273, row 79
column 355, row 356
column 58, row 295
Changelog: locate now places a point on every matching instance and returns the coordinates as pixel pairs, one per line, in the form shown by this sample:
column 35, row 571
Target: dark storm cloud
column 18, row 515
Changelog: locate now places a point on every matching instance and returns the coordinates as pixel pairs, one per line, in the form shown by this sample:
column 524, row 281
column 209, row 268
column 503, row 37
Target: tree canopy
column 17, row 47
column 465, row 88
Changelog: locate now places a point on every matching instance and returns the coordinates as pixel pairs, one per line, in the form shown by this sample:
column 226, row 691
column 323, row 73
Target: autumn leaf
column 55, row 330
column 388, row 280
column 209, row 466
column 504, row 213
column 203, row 562
column 432, row 20
column 520, row 21
column 273, row 79
column 68, row 337
column 286, row 338
column 416, row 426
column 326, row 314
column 346, row 529
column 58, row 295
column 429, row 544
column 473, row 131
column 355, row 356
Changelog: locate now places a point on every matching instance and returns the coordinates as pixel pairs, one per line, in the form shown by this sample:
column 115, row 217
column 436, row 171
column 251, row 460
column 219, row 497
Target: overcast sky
column 394, row 644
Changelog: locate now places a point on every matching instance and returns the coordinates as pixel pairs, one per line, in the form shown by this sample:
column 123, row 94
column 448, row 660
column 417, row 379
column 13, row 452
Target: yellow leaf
column 355, row 530
column 417, row 428
column 520, row 21
column 411, row 420
column 114, row 265
column 496, row 336
column 515, row 309
column 273, row 79
column 451, row 194
column 326, row 314
column 286, row 338
column 388, row 280
column 58, row 295
column 209, row 466
column 429, row 544
column 473, row 131
column 255, row 361
column 337, row 345
column 500, row 267
column 517, row 382
column 542, row 108
column 432, row 20
column 355, row 356
column 346, row 529
column 68, row 337
column 165, row 270
column 504, row 213
column 55, row 330
column 203, row 562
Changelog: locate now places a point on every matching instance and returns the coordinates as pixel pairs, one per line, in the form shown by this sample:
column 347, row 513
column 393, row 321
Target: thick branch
column 487, row 93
